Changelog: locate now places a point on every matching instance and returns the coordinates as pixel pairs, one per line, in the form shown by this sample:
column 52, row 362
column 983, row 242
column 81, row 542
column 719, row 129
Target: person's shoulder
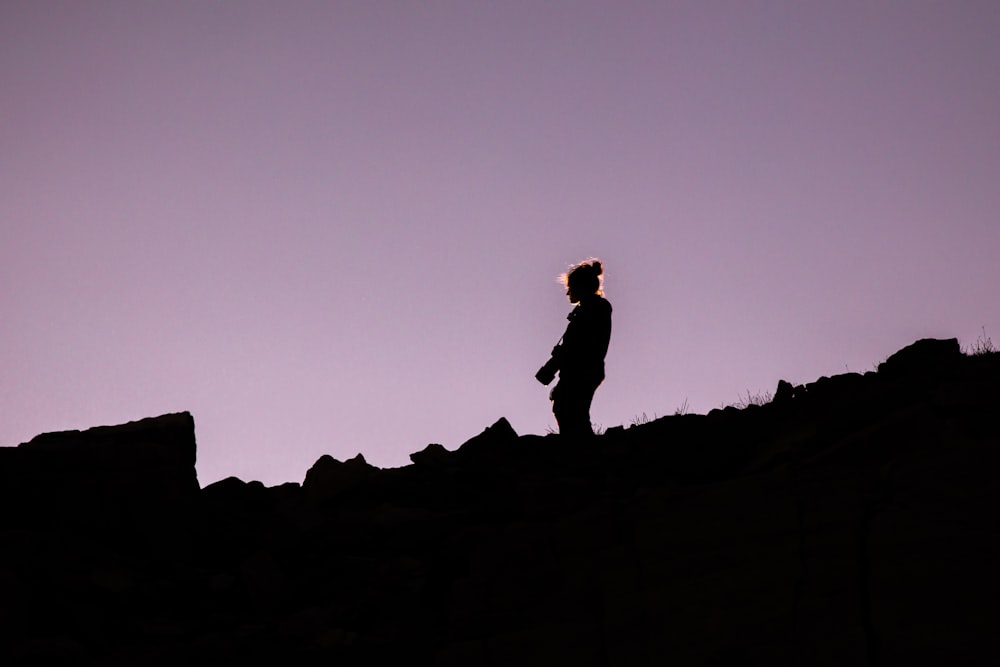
column 595, row 306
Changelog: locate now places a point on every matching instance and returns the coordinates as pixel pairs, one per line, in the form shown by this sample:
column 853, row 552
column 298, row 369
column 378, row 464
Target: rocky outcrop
column 850, row 521
column 115, row 476
column 328, row 477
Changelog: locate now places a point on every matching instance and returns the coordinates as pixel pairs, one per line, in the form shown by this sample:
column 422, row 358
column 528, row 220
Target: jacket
column 585, row 343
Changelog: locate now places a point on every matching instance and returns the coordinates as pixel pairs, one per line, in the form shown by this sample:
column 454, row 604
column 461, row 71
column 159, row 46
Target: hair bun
column 598, row 269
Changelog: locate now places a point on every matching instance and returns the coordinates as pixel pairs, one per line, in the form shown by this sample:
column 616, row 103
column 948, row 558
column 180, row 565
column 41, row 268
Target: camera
column 547, row 373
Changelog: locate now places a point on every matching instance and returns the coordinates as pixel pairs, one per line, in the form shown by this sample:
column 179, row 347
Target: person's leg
column 571, row 407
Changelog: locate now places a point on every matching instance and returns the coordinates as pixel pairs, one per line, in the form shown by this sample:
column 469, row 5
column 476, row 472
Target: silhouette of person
column 579, row 355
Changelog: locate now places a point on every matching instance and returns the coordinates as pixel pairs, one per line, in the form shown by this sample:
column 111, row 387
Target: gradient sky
column 335, row 227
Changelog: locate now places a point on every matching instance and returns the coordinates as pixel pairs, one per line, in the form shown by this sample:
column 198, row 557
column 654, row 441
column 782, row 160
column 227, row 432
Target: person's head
column 583, row 279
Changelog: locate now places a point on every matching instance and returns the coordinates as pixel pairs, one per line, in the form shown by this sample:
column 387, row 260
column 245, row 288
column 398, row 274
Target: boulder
column 431, row 455
column 784, row 393
column 329, row 477
column 106, row 476
column 928, row 356
column 494, row 441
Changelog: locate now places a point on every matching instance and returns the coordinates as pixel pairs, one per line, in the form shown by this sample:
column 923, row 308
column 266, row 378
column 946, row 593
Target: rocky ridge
column 849, row 521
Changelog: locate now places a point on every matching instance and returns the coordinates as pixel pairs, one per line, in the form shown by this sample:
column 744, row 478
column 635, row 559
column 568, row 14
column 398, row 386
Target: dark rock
column 836, row 388
column 159, row 451
column 328, row 477
column 924, row 357
column 495, row 441
column 850, row 522
column 224, row 488
column 432, row 455
column 784, row 393
column 234, row 496
column 132, row 477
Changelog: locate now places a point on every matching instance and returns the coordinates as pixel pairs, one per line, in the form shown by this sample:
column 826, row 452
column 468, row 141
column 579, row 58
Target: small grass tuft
column 682, row 409
column 982, row 346
column 760, row 398
column 643, row 419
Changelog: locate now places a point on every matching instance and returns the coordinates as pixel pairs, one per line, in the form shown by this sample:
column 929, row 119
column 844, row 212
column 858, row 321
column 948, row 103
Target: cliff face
column 849, row 521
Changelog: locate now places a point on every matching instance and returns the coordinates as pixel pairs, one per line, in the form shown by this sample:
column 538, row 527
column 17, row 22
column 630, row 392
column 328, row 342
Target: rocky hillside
column 851, row 521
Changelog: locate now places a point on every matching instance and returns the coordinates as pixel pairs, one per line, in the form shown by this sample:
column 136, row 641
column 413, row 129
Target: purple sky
column 336, row 227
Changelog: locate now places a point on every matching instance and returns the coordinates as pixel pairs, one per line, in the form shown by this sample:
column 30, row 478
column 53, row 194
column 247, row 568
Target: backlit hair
column 586, row 276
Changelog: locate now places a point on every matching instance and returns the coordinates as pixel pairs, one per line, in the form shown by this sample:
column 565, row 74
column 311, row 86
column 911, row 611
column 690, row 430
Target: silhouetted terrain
column 852, row 521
